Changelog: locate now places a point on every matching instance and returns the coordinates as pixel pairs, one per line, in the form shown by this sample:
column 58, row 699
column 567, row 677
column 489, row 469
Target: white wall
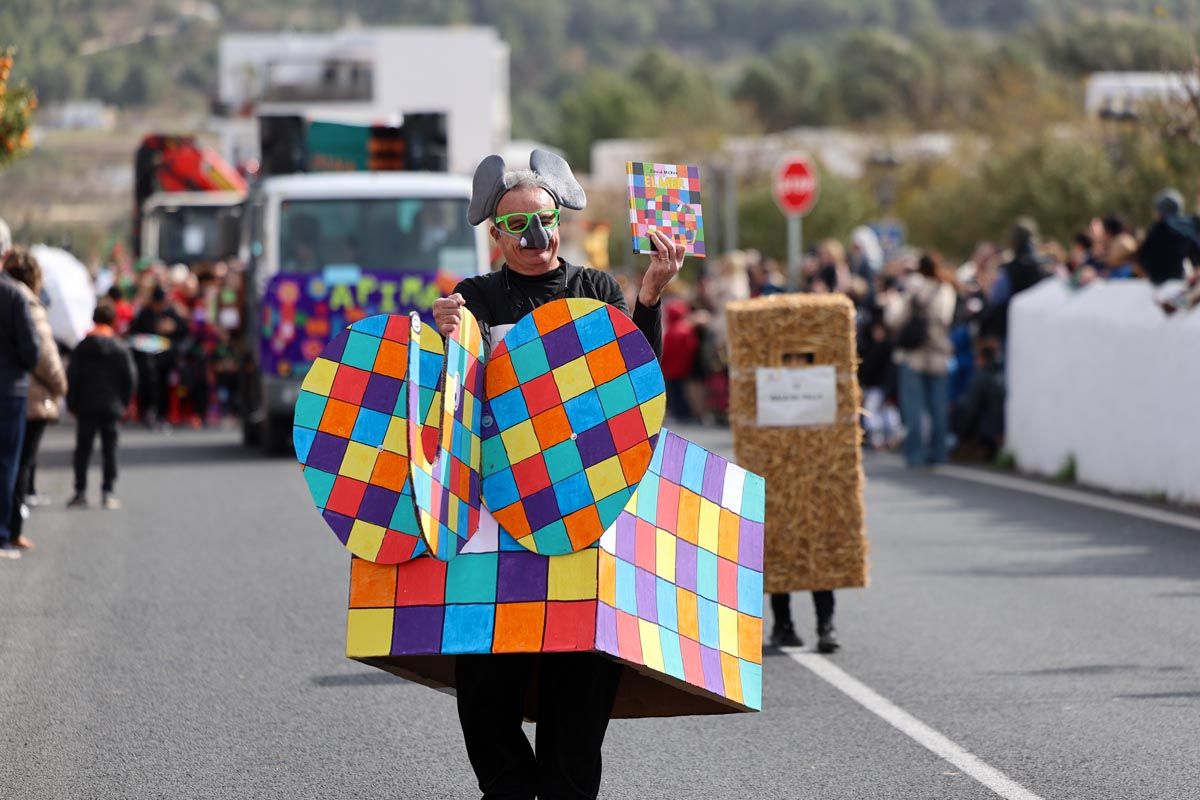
column 1105, row 375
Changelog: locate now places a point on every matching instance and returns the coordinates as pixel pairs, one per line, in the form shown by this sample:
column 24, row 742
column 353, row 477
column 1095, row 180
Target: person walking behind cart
column 100, row 383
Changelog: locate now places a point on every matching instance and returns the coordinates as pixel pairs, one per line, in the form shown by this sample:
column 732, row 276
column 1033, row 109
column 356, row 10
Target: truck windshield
column 385, row 234
column 190, row 234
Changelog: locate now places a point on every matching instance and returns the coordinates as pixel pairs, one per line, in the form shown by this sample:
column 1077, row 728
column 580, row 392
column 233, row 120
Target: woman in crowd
column 47, row 383
column 920, row 319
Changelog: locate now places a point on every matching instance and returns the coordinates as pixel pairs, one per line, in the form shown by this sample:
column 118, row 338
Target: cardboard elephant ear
column 554, row 175
column 575, row 403
column 487, row 187
column 558, row 179
column 351, row 438
column 445, row 406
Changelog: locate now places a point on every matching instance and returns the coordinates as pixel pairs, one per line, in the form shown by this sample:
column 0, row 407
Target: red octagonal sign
column 796, row 186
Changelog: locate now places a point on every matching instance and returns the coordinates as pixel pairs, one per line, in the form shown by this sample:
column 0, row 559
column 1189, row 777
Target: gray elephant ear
column 486, row 189
column 556, row 176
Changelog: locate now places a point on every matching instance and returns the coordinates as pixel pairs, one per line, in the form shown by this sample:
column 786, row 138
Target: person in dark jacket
column 19, row 351
column 575, row 691
column 158, row 318
column 1170, row 241
column 1023, row 272
column 100, row 383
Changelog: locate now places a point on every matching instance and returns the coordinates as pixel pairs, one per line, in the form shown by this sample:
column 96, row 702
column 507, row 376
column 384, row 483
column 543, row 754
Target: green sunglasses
column 519, row 221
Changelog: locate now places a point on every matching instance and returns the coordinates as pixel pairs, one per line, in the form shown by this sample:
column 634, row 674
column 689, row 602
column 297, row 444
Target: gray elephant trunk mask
column 492, row 180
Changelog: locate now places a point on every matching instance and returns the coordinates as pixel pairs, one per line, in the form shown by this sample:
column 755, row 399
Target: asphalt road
column 190, row 646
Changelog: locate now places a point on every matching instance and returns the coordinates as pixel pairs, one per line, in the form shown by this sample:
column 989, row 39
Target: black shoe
column 827, row 641
column 785, row 636
column 79, row 500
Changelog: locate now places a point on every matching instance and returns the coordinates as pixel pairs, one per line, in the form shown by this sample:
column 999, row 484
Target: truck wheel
column 277, row 437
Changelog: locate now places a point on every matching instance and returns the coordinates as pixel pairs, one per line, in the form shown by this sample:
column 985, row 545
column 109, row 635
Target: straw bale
column 815, row 532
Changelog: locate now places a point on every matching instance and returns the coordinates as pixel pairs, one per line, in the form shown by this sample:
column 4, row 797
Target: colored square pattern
column 634, row 594
column 687, row 579
column 605, row 533
column 666, row 198
column 446, row 484
column 353, row 466
column 572, row 430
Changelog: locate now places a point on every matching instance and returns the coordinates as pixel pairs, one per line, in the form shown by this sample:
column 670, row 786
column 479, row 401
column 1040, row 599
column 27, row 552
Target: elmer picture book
column 665, row 197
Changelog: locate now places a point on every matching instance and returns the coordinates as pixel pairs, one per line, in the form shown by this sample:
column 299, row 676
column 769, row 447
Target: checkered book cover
column 665, row 197
column 575, row 402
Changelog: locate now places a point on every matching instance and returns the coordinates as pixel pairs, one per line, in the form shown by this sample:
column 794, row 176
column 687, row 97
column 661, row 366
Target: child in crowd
column 101, row 380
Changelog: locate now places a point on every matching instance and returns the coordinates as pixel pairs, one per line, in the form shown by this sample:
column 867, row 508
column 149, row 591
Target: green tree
column 605, row 106
column 880, row 75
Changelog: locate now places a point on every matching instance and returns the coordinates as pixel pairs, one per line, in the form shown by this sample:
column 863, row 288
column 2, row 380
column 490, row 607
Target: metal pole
column 795, row 249
column 731, row 209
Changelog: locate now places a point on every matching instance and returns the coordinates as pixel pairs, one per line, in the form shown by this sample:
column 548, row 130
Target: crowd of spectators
column 931, row 337
column 184, row 329
column 163, row 351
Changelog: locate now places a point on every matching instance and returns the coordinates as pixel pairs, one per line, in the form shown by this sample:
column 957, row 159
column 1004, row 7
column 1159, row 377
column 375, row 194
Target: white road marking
column 910, row 726
column 1072, row 496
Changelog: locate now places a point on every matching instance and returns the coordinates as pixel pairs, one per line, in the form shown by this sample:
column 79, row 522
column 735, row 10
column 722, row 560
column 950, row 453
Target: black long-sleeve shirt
column 501, row 298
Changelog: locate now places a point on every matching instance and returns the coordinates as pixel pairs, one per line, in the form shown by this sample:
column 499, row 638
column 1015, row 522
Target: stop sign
column 796, row 186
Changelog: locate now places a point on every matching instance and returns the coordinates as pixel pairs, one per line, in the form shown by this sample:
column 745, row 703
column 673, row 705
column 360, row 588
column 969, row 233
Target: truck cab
column 324, row 250
column 191, row 227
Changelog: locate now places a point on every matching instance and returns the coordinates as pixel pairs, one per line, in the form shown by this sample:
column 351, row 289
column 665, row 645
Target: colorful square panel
column 445, row 486
column 345, row 412
column 569, row 361
column 667, row 573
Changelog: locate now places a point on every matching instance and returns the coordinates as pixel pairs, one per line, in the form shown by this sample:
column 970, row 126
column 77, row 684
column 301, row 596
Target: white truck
column 326, row 249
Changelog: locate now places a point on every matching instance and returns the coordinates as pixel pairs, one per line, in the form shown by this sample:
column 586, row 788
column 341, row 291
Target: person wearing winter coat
column 920, row 319
column 1172, row 240
column 47, row 383
column 100, row 383
column 19, row 352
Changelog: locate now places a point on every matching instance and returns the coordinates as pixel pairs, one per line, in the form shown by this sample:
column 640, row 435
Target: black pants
column 85, row 437
column 576, row 692
column 781, row 608
column 34, row 429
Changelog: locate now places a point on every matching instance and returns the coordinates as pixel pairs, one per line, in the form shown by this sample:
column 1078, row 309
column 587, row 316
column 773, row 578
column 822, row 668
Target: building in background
column 1109, row 93
column 367, row 75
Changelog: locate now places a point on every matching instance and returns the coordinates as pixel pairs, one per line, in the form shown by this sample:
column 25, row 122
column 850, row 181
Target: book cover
column 665, row 197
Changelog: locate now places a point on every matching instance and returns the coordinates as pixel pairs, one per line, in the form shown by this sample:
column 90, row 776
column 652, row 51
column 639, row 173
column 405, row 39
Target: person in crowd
column 877, row 376
column 19, row 352
column 1019, row 273
column 101, row 379
column 1082, row 266
column 123, row 309
column 576, row 691
column 833, row 272
column 159, row 318
column 1170, row 242
column 866, row 253
column 1121, row 258
column 47, row 384
column 1105, row 229
column 979, row 419
column 920, row 320
column 681, row 346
